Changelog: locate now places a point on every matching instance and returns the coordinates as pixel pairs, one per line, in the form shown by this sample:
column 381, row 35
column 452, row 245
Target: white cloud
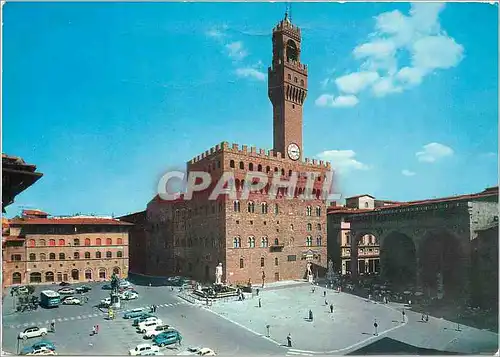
column 236, row 50
column 249, row 72
column 342, row 161
column 356, row 82
column 417, row 36
column 407, row 173
column 328, row 100
column 433, row 152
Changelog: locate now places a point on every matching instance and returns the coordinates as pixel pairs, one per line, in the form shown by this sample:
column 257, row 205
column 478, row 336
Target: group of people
column 95, row 330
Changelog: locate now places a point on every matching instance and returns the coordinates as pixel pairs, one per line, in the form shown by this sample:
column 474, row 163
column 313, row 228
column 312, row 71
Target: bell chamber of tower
column 287, row 89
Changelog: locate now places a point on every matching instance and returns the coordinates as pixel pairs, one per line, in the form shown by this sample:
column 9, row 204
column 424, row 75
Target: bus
column 49, row 298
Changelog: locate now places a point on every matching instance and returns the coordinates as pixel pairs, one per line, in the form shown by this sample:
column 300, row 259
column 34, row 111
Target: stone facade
column 45, row 250
column 267, row 233
column 138, row 241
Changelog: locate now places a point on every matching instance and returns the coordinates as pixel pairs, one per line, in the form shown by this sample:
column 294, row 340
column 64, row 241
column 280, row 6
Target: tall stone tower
column 287, row 89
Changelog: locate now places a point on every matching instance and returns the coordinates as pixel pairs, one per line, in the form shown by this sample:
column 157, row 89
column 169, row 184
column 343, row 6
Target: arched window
column 43, row 256
column 16, row 278
column 32, row 256
column 231, row 164
column 289, row 77
column 109, row 241
column 242, row 165
column 119, row 254
column 76, row 255
column 52, row 256
column 62, row 242
column 98, row 241
column 119, row 241
column 109, row 254
column 318, row 226
column 366, row 204
column 309, row 241
column 275, row 169
column 309, row 227
column 276, row 261
column 276, row 241
column 62, row 256
column 76, row 242
column 259, row 167
column 251, row 242
column 268, row 169
column 52, row 242
column 263, row 207
column 264, row 243
column 289, row 173
column 35, row 277
column 49, row 277
column 301, row 82
column 31, row 243
column 41, row 242
column 88, row 274
column 262, row 262
column 250, row 167
column 87, row 255
column 236, row 206
column 241, row 263
column 98, row 255
column 318, row 241
column 308, row 211
column 251, row 207
column 318, row 211
column 236, row 242
column 102, row 273
column 276, row 208
column 87, row 241
column 291, row 227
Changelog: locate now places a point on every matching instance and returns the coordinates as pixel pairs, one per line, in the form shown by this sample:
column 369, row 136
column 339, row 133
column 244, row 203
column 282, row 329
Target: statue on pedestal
column 218, row 274
column 309, row 272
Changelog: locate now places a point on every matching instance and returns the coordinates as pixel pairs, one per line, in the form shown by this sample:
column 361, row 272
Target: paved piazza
column 239, row 327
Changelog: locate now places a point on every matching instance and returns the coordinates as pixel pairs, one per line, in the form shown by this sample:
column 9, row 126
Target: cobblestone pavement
column 74, row 324
column 349, row 327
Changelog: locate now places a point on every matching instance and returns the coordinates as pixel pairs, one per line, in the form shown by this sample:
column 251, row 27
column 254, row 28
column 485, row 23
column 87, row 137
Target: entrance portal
column 398, row 260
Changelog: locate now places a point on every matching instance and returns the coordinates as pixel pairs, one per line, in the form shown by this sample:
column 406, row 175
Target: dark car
column 63, row 283
column 83, row 289
column 107, row 287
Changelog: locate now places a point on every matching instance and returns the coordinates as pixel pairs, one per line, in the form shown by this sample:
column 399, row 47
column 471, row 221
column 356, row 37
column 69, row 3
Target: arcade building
column 255, row 238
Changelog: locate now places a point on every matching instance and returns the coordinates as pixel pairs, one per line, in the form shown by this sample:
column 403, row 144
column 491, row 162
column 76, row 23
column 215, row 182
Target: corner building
column 258, row 237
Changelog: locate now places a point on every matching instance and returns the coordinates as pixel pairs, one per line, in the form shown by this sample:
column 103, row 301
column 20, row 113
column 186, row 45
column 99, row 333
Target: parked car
column 124, row 284
column 44, row 351
column 149, row 325
column 134, row 313
column 72, row 301
column 106, row 302
column 63, row 283
column 206, row 352
column 83, row 289
column 144, row 318
column 143, row 349
column 37, row 346
column 107, row 287
column 167, row 338
column 20, row 290
column 33, row 331
column 66, row 291
column 156, row 331
column 128, row 295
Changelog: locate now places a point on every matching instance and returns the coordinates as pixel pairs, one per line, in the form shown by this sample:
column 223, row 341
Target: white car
column 31, row 332
column 149, row 325
column 156, row 331
column 72, row 301
column 124, row 284
column 68, row 291
column 106, row 301
column 129, row 295
column 44, row 351
column 192, row 351
column 22, row 290
column 144, row 349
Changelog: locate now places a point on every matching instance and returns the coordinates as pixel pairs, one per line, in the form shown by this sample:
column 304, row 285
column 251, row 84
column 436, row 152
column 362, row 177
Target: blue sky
column 106, row 97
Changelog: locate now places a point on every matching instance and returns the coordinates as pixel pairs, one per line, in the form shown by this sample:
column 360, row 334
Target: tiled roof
column 486, row 193
column 69, row 220
column 358, row 196
column 35, row 212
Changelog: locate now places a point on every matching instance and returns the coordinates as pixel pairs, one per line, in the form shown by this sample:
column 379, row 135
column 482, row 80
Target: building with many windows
column 42, row 249
column 261, row 236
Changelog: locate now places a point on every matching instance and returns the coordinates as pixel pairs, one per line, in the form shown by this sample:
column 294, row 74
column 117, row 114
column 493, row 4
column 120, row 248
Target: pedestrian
column 326, row 303
column 369, row 296
column 260, row 303
column 310, row 315
column 257, row 291
column 331, row 308
column 375, row 324
column 53, row 326
column 427, row 318
column 289, row 340
column 155, row 307
column 403, row 313
column 423, row 317
column 96, row 329
column 93, row 331
column 324, row 293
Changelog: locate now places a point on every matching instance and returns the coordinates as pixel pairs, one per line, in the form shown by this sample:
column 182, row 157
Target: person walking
column 326, row 302
column 260, row 303
column 331, row 308
column 96, row 329
column 324, row 293
column 403, row 313
column 93, row 331
column 310, row 315
column 289, row 340
column 52, row 326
